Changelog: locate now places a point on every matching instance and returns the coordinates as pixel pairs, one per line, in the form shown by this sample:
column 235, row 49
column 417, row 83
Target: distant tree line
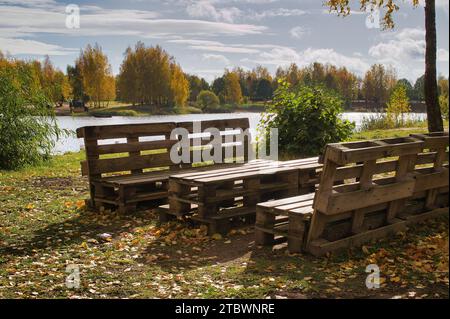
column 150, row 76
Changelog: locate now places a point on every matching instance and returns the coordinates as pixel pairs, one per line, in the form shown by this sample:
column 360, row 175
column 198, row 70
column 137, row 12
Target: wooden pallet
column 136, row 171
column 368, row 190
column 284, row 219
column 224, row 198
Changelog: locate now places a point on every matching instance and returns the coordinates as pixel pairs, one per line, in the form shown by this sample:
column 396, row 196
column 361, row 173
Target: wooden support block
column 265, row 220
column 206, row 208
column 253, row 185
column 178, row 190
column 296, row 232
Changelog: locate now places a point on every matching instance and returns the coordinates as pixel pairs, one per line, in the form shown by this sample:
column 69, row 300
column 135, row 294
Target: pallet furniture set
column 367, row 190
column 357, row 192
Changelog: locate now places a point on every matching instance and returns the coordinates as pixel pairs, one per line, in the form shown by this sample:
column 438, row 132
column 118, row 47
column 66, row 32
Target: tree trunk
column 435, row 123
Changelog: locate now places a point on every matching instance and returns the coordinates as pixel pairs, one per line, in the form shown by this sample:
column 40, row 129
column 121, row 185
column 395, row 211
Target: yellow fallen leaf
column 30, row 206
column 395, row 279
column 216, row 236
column 68, row 204
column 79, row 204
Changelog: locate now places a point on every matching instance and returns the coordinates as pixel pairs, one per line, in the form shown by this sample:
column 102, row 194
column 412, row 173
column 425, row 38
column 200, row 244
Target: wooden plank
column 345, row 153
column 134, row 147
column 341, row 202
column 125, row 130
column 286, row 201
column 127, row 164
column 321, row 247
column 233, row 168
column 247, row 174
column 431, row 180
column 219, row 124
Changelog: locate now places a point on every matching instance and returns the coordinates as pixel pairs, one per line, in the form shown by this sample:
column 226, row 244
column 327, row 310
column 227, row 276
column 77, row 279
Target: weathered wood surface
column 223, row 197
column 137, row 168
column 367, row 190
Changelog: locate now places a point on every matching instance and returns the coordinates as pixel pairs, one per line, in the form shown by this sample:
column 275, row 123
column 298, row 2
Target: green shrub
column 27, row 122
column 307, row 119
column 207, row 100
column 443, row 102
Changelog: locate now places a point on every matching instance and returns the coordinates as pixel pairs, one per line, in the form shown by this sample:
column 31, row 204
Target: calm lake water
column 72, row 144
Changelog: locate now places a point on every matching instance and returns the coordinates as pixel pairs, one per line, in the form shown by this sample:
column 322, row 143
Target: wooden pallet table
column 226, row 198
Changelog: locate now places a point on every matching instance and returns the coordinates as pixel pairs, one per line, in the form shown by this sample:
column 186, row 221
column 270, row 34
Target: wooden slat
column 111, row 165
column 133, row 147
column 125, row 130
column 219, row 124
column 345, row 153
column 343, row 202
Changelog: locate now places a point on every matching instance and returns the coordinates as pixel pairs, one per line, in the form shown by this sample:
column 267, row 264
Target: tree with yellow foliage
column 96, row 74
column 179, row 85
column 232, row 89
column 149, row 75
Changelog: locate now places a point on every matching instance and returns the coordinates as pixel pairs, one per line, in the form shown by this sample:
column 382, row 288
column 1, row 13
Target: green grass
column 44, row 227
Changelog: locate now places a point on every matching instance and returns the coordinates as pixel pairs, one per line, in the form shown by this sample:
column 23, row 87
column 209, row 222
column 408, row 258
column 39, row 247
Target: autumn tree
column 398, row 105
column 409, row 88
column 232, row 89
column 378, row 84
column 54, row 82
column 96, row 74
column 179, row 85
column 149, row 75
column 342, row 7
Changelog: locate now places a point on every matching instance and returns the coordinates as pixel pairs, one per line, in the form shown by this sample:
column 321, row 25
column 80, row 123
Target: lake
column 72, row 144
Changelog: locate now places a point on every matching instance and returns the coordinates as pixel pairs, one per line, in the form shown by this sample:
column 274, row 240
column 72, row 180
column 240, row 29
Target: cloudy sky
column 206, row 36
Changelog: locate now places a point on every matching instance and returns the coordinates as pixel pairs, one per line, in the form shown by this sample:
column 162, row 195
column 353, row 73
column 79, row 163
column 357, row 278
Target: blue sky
column 207, row 36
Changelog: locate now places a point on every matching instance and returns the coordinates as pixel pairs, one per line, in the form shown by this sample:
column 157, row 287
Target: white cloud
column 216, row 58
column 406, row 45
column 206, row 9
column 223, row 48
column 284, row 56
column 280, row 12
column 442, row 55
column 21, row 46
column 299, row 32
column 19, row 21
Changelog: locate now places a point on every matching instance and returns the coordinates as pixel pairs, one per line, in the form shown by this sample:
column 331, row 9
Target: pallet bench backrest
column 432, row 171
column 371, row 173
column 234, row 140
column 137, row 148
column 141, row 147
column 360, row 178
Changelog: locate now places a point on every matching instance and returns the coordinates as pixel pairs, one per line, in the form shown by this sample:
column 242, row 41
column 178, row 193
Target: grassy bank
column 124, row 109
column 44, row 226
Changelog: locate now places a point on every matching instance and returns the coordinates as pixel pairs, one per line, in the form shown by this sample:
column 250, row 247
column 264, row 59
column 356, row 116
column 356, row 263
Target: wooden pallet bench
column 129, row 165
column 367, row 190
column 226, row 198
